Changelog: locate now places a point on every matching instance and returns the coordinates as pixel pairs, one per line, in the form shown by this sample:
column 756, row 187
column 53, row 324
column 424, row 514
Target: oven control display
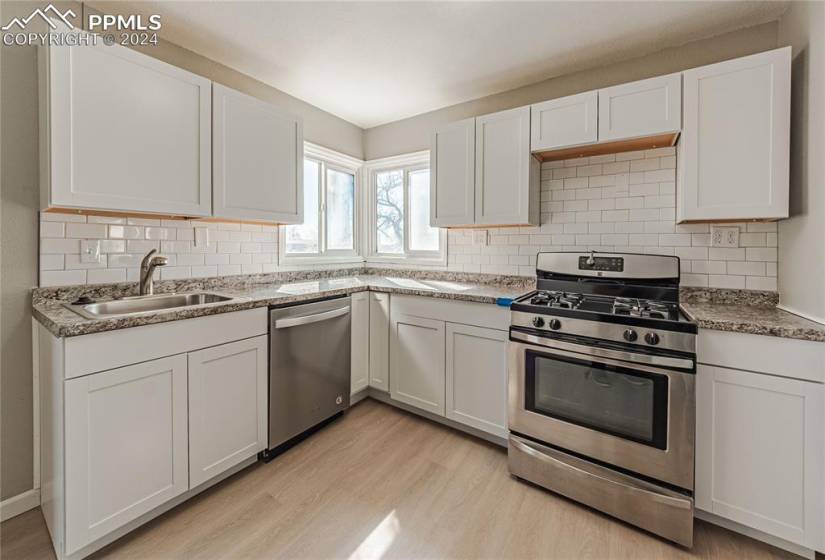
column 608, row 264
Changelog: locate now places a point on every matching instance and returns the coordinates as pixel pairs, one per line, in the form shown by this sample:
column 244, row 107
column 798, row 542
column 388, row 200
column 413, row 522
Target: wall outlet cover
column 480, row 237
column 201, row 237
column 90, row 250
column 724, row 236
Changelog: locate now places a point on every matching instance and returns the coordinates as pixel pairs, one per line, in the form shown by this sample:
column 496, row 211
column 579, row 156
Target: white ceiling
column 372, row 63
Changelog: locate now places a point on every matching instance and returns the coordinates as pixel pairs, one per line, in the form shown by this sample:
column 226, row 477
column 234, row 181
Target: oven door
column 632, row 411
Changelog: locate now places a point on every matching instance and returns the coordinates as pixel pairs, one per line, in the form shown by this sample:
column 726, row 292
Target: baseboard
column 384, row 397
column 755, row 534
column 11, row 507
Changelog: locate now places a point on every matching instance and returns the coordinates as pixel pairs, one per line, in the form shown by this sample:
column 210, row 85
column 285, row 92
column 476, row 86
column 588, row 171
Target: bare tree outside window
column 389, row 200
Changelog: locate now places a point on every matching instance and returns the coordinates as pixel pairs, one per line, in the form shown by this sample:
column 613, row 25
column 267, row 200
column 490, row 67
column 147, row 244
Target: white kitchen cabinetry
column 258, row 153
column 564, row 122
column 477, row 377
column 126, row 446
column 379, row 346
column 759, row 454
column 360, row 342
column 643, row 108
column 126, row 413
column 507, row 175
column 227, row 406
column 452, row 180
column 734, row 152
column 123, row 131
column 417, row 366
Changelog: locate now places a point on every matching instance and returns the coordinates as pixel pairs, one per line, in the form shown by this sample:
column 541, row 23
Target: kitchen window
column 399, row 209
column 329, row 231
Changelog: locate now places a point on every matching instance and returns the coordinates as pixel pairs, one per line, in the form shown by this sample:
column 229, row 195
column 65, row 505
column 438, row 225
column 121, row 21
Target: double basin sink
column 145, row 304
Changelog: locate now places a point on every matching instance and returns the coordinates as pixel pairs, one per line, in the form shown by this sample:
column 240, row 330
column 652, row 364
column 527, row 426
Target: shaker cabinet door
column 257, row 159
column 506, row 177
column 643, row 108
column 733, row 155
column 126, row 446
column 759, row 452
column 417, row 362
column 477, row 377
column 123, row 131
column 359, row 352
column 379, row 345
column 564, row 122
column 227, row 406
column 452, row 174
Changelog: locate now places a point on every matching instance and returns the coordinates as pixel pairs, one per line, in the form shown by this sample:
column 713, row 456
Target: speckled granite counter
column 254, row 292
column 746, row 311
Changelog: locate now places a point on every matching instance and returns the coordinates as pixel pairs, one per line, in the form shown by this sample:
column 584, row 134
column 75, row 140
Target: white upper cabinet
column 123, row 131
column 642, row 108
column 507, row 175
column 563, row 122
column 452, row 180
column 257, row 159
column 734, row 151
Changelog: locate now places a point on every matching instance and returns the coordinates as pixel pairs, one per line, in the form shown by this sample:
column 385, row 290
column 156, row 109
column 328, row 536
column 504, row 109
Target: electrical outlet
column 89, row 251
column 724, row 236
column 480, row 237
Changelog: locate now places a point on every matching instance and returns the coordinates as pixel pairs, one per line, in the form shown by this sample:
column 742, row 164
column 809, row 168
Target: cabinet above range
column 729, row 119
column 123, row 132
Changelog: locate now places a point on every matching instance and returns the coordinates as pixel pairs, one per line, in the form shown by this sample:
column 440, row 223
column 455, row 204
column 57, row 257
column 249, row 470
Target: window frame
column 406, row 163
column 332, row 160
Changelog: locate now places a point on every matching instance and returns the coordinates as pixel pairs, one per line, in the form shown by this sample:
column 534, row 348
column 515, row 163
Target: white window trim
column 408, row 162
column 340, row 162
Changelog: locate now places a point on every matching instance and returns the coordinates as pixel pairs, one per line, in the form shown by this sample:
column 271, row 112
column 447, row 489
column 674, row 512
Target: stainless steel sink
column 145, row 304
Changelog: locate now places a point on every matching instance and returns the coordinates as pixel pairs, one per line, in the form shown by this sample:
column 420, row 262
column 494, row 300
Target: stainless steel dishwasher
column 309, row 369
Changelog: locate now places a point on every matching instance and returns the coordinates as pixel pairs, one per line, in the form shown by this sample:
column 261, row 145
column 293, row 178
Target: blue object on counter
column 504, row 301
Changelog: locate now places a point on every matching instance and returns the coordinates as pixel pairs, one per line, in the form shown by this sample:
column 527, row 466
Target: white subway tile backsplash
column 614, row 202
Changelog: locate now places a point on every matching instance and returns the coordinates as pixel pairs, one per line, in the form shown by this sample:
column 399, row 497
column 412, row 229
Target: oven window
column 614, row 400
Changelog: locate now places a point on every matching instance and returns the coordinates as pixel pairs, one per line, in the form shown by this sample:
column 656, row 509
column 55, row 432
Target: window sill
column 429, row 261
column 316, row 260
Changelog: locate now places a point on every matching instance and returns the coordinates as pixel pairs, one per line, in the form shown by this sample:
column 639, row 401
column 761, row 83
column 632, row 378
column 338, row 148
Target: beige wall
column 18, row 255
column 413, row 134
column 802, row 237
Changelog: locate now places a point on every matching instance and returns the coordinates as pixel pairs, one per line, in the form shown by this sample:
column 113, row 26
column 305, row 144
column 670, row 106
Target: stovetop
column 544, row 300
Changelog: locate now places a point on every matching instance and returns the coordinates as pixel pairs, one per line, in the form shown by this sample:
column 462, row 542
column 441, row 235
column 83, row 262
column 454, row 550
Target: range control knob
column 630, row 335
column 555, row 324
column 538, row 322
column 652, row 338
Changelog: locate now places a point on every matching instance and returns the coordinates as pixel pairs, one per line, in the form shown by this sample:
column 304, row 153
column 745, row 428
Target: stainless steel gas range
column 601, row 388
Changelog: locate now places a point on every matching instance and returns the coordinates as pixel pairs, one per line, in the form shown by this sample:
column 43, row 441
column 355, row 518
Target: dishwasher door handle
column 307, row 319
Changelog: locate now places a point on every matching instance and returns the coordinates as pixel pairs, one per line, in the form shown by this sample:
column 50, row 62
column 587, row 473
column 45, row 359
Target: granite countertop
column 747, row 311
column 48, row 309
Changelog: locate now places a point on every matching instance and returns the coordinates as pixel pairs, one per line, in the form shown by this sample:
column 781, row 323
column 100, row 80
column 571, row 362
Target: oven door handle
column 662, row 361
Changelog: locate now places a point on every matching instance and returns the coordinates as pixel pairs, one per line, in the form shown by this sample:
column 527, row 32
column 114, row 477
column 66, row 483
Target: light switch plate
column 201, row 237
column 480, row 237
column 89, row 251
column 724, row 236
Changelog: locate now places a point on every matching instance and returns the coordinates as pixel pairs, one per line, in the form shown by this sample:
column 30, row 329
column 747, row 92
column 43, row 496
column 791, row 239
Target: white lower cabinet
column 360, row 341
column 759, row 454
column 417, row 362
column 126, row 446
column 477, row 377
column 227, row 406
column 379, row 344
